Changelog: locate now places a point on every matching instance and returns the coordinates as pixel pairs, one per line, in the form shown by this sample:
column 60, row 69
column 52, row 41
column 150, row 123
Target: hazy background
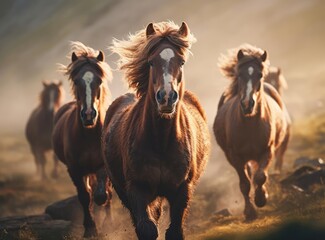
column 35, row 35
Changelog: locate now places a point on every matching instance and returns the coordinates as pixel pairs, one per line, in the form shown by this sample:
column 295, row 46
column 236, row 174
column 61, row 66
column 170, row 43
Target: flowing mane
column 87, row 56
column 134, row 52
column 228, row 65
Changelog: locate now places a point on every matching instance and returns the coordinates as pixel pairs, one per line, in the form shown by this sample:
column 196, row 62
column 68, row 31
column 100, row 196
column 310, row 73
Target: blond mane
column 228, row 65
column 135, row 51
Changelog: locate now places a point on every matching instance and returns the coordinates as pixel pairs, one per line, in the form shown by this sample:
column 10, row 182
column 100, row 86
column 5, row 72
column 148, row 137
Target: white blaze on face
column 249, row 89
column 51, row 103
column 249, row 86
column 250, row 71
column 88, row 78
column 166, row 55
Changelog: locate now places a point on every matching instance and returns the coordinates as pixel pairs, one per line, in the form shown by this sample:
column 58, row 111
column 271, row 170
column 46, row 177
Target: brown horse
column 40, row 125
column 156, row 142
column 250, row 125
column 78, row 128
column 276, row 79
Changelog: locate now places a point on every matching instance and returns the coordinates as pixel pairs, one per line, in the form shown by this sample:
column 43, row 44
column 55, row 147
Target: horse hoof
column 147, row 230
column 100, row 198
column 90, row 232
column 260, row 197
column 172, row 234
column 249, row 217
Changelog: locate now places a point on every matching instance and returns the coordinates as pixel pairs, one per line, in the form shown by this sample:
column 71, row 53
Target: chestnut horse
column 276, row 79
column 156, row 143
column 78, row 128
column 40, row 125
column 251, row 124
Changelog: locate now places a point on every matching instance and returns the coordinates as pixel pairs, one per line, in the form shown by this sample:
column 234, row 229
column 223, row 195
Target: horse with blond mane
column 78, row 129
column 250, row 125
column 276, row 79
column 156, row 143
column 39, row 126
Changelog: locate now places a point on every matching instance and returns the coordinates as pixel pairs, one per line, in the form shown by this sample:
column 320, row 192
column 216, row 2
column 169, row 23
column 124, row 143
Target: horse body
column 251, row 125
column 77, row 132
column 156, row 144
column 70, row 129
column 40, row 125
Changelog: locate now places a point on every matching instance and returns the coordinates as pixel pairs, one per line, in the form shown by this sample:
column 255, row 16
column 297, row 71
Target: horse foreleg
column 40, row 155
column 260, row 178
column 245, row 187
column 55, row 168
column 280, row 152
column 84, row 199
column 100, row 193
column 139, row 200
column 178, row 205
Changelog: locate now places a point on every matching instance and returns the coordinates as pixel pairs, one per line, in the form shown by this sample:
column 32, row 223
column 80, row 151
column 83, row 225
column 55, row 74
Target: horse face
column 88, row 94
column 166, row 67
column 250, row 76
column 52, row 95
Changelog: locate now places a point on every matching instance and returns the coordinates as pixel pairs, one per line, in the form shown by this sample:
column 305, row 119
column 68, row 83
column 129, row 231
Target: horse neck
column 161, row 130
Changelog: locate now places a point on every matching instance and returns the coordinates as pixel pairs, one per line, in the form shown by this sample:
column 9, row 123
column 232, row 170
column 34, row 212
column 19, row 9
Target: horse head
column 250, row 79
column 166, row 72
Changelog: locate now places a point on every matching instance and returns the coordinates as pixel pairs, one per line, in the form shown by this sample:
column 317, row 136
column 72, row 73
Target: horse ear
column 73, row 57
column 240, row 54
column 60, row 83
column 183, row 30
column 101, row 56
column 45, row 84
column 150, row 30
column 279, row 71
column 264, row 56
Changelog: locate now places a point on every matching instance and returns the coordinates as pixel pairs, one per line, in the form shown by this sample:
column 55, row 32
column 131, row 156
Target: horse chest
column 251, row 138
column 161, row 170
column 86, row 155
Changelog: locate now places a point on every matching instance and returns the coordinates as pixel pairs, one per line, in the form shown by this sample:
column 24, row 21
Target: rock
column 33, row 227
column 68, row 209
column 305, row 177
column 306, row 161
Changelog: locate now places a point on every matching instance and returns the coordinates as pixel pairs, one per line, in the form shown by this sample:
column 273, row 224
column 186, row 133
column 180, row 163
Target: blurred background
column 35, row 36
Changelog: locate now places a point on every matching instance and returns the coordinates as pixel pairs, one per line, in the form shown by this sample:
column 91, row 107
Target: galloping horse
column 78, row 128
column 40, row 125
column 156, row 143
column 251, row 121
column 276, row 79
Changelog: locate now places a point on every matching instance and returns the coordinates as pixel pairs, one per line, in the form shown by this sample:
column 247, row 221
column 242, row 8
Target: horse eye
column 150, row 63
column 259, row 75
column 76, row 82
column 182, row 62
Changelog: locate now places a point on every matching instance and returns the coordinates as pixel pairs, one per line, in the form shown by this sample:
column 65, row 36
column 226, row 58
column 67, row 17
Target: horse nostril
column 83, row 114
column 160, row 96
column 93, row 113
column 173, row 96
column 251, row 103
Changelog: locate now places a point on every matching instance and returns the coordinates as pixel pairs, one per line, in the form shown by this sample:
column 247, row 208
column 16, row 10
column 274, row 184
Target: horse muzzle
column 247, row 107
column 166, row 102
column 88, row 117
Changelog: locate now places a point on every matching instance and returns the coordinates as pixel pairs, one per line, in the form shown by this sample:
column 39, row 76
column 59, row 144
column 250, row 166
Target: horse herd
column 154, row 144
